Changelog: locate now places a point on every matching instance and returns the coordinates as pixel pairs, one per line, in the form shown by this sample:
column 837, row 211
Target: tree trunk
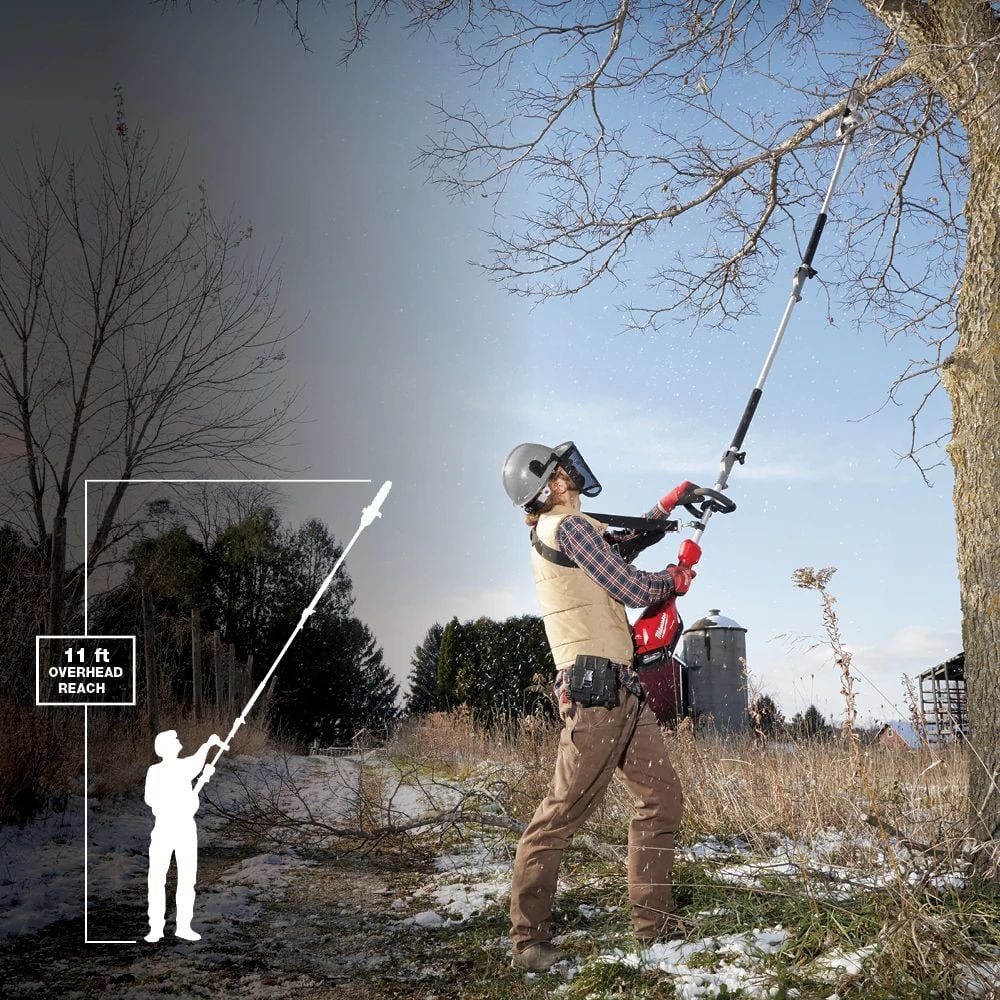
column 249, row 681
column 972, row 377
column 952, row 47
column 199, row 709
column 220, row 686
column 57, row 575
column 231, row 657
column 152, row 681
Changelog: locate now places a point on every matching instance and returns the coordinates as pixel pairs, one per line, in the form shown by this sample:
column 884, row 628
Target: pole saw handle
column 709, row 499
column 690, row 553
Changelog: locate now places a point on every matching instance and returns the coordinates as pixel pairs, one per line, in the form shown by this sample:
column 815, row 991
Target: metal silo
column 714, row 647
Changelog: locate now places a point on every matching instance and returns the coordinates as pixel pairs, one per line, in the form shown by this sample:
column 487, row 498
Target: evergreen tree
column 375, row 704
column 247, row 559
column 491, row 667
column 254, row 582
column 766, row 715
column 474, row 681
column 810, row 724
column 333, row 682
column 447, row 666
column 525, row 655
column 423, row 677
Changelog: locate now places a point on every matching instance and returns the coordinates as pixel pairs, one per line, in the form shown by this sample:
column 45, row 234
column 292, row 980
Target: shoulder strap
column 549, row 553
column 653, row 524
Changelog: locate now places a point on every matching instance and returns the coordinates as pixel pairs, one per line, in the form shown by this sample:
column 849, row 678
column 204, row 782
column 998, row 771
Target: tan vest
column 580, row 616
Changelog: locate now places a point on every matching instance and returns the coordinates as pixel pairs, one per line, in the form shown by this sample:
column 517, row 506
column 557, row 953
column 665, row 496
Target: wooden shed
column 942, row 700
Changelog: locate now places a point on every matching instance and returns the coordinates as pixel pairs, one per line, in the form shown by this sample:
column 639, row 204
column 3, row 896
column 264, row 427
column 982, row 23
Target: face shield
column 572, row 462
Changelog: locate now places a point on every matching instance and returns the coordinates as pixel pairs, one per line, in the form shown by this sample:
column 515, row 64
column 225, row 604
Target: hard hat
column 529, row 467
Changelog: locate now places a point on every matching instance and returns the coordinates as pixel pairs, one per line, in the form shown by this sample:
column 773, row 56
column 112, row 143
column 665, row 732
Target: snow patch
column 735, row 962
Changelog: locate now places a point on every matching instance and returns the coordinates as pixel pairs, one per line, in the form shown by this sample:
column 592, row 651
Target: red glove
column 682, row 577
column 678, row 495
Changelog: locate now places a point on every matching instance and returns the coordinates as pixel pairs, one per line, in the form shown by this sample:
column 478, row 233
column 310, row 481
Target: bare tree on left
column 138, row 337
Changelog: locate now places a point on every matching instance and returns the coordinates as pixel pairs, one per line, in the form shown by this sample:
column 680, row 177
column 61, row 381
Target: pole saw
column 368, row 515
column 659, row 628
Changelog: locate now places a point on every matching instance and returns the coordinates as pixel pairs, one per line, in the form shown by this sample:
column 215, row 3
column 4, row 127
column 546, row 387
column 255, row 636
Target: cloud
column 613, row 427
column 800, row 670
column 910, row 649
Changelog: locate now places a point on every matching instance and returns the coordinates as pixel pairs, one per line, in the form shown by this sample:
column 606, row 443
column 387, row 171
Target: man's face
column 563, row 487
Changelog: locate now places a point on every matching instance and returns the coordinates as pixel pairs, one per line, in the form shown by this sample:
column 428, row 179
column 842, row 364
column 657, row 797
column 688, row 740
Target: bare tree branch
column 137, row 337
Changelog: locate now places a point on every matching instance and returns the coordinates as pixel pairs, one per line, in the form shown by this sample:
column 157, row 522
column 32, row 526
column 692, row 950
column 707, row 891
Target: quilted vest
column 579, row 616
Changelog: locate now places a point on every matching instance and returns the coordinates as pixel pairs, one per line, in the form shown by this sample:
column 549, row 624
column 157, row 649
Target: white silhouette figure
column 169, row 793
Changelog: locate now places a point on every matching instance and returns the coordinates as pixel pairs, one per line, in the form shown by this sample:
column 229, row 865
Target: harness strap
column 550, row 554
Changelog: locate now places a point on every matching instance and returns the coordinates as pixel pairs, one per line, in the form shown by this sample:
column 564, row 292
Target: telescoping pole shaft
column 733, row 454
column 368, row 515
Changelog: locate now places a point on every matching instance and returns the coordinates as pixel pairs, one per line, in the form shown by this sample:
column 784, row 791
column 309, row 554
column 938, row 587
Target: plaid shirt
column 599, row 559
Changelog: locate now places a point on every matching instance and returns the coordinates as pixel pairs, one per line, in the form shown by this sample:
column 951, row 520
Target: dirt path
column 330, row 928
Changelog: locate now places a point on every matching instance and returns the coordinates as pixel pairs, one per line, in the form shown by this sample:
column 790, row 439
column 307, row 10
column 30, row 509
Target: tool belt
column 593, row 680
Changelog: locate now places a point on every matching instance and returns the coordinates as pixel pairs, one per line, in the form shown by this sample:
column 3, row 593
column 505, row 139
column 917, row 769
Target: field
column 813, row 870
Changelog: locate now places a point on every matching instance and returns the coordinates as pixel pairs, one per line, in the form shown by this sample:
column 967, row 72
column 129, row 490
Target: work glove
column 682, row 577
column 682, row 494
column 214, row 741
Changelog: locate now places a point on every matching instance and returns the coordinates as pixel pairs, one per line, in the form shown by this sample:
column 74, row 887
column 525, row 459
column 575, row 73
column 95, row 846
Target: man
column 584, row 585
column 171, row 796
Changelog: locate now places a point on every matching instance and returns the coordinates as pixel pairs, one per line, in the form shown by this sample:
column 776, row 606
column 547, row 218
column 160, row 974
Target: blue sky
column 415, row 368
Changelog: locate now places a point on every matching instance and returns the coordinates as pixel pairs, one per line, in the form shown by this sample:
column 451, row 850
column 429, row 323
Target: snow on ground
column 980, row 980
column 41, row 864
column 735, row 962
column 819, row 857
column 468, row 883
column 837, row 962
column 700, row 968
column 407, row 794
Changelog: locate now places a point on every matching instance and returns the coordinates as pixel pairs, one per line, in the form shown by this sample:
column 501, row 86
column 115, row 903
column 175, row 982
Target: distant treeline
column 244, row 584
column 498, row 669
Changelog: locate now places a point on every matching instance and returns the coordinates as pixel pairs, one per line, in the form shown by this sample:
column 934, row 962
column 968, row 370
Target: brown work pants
column 594, row 741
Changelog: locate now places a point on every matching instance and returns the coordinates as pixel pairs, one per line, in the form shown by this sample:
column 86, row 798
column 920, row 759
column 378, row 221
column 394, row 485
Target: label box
column 84, row 669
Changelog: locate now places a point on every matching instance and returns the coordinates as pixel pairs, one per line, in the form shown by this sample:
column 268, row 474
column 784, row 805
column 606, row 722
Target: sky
column 414, row 367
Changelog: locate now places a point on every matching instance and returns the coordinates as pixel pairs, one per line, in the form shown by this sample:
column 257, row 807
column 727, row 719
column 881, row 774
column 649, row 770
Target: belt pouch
column 593, row 680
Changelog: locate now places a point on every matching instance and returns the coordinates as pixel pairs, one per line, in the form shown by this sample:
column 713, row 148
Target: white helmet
column 529, row 467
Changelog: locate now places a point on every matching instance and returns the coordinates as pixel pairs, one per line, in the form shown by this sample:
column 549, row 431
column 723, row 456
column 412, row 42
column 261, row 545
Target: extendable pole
column 368, row 515
column 848, row 123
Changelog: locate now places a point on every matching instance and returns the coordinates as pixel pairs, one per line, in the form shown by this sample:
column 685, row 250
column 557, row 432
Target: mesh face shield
column 577, row 469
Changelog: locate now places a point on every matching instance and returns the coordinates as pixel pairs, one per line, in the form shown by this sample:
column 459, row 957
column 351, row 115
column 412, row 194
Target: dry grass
column 121, row 753
column 736, row 786
column 733, row 785
column 41, row 752
column 891, row 821
column 40, row 758
column 861, row 809
column 451, row 741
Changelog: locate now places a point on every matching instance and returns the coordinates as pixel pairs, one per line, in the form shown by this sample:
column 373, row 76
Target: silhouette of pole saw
column 368, row 515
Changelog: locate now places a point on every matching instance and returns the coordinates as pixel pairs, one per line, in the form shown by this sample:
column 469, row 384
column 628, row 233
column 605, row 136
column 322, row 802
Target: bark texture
column 955, row 50
column 972, row 378
column 149, row 656
column 196, row 678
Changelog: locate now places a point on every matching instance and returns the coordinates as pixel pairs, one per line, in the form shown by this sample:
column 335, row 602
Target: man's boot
column 537, row 957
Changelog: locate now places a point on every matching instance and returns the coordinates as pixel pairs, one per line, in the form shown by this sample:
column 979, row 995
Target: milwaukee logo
column 661, row 629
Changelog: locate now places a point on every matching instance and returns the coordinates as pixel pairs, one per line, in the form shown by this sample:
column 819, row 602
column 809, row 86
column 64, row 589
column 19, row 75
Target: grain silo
column 715, row 650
